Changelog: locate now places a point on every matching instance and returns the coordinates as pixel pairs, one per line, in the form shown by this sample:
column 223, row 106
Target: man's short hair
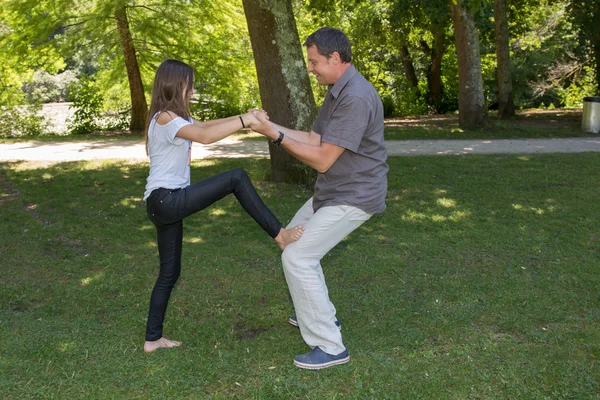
column 329, row 40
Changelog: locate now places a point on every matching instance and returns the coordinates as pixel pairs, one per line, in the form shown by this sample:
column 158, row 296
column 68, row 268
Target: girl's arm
column 212, row 131
column 212, row 122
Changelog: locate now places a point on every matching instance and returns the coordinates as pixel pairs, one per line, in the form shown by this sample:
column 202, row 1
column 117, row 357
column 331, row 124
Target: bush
column 19, row 121
column 207, row 109
column 46, row 88
column 582, row 86
column 87, row 102
column 410, row 102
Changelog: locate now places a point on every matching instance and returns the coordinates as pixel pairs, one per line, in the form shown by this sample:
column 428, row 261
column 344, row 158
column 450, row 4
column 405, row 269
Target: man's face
column 320, row 66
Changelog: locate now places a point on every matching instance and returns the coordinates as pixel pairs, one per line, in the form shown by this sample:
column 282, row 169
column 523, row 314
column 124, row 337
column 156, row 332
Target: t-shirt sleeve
column 176, row 125
column 348, row 123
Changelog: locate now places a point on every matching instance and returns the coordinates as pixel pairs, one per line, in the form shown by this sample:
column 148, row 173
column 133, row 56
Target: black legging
column 167, row 208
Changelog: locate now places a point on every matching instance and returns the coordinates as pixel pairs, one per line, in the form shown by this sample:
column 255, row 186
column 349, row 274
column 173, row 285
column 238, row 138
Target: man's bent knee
column 289, row 256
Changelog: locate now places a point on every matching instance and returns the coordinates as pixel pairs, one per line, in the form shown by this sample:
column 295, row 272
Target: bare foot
column 287, row 236
column 162, row 343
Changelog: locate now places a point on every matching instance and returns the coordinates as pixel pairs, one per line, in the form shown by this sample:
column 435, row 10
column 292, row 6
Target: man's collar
column 337, row 87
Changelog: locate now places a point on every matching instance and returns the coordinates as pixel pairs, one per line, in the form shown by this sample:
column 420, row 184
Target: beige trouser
column 304, row 275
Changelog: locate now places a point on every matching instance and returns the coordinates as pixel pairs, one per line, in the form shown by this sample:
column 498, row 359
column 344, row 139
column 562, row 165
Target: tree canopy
column 407, row 49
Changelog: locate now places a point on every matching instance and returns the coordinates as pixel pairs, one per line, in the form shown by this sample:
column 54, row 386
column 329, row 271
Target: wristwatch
column 278, row 141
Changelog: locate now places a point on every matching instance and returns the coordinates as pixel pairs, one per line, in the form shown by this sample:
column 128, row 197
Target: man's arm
column 312, row 137
column 305, row 146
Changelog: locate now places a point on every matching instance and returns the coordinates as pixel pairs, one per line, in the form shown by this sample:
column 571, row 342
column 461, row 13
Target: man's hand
column 263, row 126
column 250, row 118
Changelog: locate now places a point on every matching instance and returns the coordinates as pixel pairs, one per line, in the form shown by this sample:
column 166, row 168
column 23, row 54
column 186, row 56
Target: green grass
column 480, row 281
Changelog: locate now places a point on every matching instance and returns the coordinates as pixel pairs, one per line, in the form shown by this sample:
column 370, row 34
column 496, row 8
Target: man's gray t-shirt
column 352, row 117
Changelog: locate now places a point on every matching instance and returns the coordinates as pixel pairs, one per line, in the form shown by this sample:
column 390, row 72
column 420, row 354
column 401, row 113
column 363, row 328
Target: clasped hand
column 259, row 122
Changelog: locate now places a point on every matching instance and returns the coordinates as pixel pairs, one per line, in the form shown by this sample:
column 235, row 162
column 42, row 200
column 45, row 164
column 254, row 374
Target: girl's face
column 187, row 94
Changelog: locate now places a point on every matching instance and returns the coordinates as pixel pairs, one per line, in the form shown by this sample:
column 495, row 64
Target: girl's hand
column 255, row 117
column 263, row 125
column 252, row 110
column 249, row 119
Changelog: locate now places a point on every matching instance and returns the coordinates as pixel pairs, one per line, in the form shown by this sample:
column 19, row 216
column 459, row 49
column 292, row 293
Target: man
column 346, row 147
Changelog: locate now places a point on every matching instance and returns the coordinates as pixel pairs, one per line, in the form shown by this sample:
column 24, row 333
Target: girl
column 169, row 196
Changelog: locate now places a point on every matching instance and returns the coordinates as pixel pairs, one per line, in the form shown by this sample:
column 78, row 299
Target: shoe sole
column 321, row 366
column 295, row 323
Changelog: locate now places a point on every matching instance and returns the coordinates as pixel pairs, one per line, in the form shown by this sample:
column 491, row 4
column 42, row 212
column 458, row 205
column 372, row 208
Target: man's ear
column 336, row 58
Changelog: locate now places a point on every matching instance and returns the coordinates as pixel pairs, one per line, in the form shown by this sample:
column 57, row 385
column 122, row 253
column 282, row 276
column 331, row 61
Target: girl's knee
column 169, row 279
column 240, row 174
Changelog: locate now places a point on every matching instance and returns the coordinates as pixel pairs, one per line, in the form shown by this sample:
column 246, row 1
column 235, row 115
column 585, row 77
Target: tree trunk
column 506, row 107
column 596, row 45
column 283, row 80
column 597, row 57
column 433, row 72
column 139, row 107
column 437, row 54
column 409, row 69
column 471, row 101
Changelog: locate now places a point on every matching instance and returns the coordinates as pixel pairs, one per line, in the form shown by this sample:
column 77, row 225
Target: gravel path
column 233, row 148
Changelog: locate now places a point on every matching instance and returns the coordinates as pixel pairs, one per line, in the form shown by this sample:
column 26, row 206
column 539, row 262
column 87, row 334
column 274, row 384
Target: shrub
column 16, row 121
column 87, row 102
column 582, row 86
column 46, row 88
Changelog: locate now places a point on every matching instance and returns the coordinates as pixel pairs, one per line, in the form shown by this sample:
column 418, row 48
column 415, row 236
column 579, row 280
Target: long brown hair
column 172, row 78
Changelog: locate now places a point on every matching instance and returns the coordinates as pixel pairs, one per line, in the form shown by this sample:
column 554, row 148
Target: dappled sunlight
column 524, row 158
column 194, row 240
column 32, row 165
column 66, row 346
column 438, row 218
column 90, row 279
column 212, row 162
column 47, row 176
column 146, row 227
column 534, row 210
column 151, row 244
column 131, row 202
column 437, row 208
column 393, row 198
column 217, row 211
column 448, row 203
column 413, row 216
column 456, row 216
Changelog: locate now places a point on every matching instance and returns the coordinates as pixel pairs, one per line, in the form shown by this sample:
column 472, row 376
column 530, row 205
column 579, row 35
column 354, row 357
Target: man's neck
column 342, row 69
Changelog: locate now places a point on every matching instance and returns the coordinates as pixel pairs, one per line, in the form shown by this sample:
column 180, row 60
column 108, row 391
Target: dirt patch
column 9, row 192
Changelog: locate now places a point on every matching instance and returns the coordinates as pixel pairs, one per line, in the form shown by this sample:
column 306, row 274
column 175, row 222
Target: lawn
column 480, row 281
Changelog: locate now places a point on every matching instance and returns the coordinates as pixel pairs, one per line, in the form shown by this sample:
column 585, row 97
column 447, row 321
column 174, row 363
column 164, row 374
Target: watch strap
column 279, row 139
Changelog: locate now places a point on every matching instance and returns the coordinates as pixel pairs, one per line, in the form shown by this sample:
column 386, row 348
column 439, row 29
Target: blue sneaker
column 293, row 321
column 318, row 359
